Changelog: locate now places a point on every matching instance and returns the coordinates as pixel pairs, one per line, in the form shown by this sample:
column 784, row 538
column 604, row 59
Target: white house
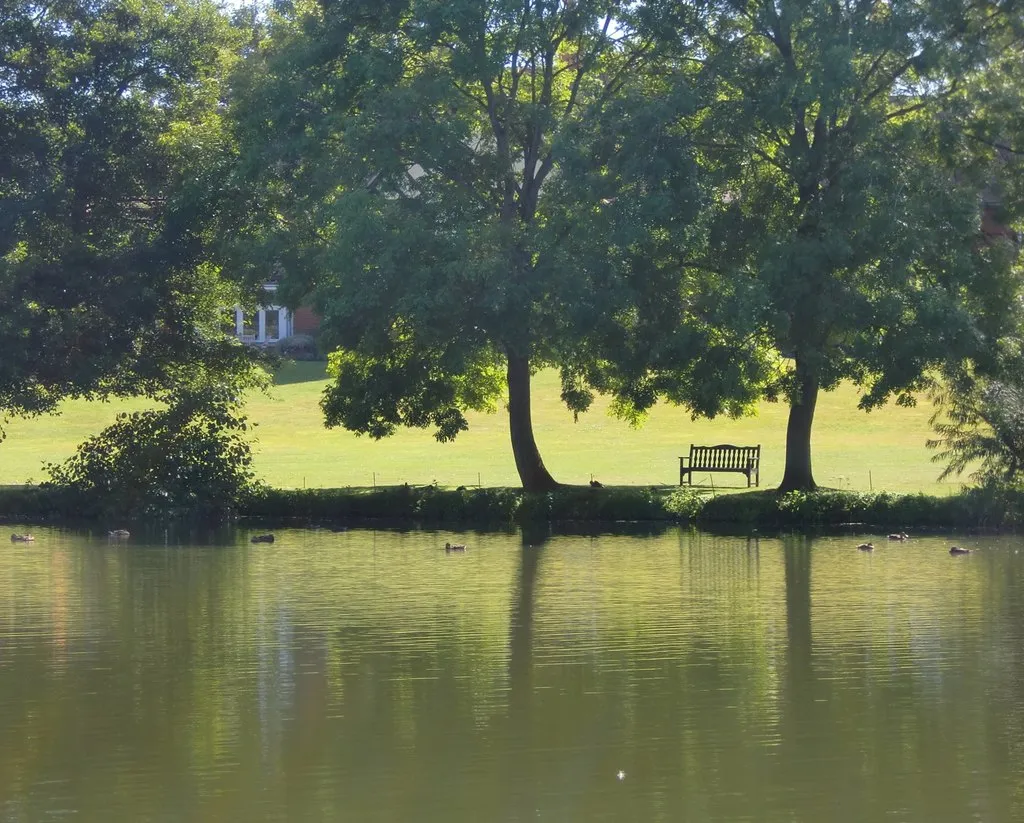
column 268, row 324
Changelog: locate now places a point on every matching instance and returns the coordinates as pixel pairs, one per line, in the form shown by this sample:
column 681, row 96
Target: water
column 370, row 676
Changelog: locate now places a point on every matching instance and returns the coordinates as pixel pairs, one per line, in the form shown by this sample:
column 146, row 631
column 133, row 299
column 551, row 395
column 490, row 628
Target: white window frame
column 284, row 326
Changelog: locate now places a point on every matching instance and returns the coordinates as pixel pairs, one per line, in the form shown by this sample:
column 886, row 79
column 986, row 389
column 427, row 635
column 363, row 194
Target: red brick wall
column 305, row 321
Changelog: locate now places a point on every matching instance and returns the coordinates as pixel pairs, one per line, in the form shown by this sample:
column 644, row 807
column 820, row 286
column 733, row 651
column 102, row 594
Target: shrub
column 616, row 503
column 415, row 503
column 991, row 506
column 685, row 504
column 430, row 504
column 297, row 347
column 189, row 459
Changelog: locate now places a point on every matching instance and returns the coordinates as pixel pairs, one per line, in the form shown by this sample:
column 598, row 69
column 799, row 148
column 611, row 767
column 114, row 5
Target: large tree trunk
column 534, row 476
column 798, row 474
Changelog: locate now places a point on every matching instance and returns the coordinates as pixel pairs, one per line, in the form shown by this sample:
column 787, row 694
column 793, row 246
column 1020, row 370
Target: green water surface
column 371, row 676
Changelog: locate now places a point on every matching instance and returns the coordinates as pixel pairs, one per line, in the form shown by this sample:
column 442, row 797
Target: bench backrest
column 724, row 456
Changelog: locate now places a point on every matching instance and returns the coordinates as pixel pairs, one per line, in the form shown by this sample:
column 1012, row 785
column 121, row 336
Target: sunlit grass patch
column 881, row 450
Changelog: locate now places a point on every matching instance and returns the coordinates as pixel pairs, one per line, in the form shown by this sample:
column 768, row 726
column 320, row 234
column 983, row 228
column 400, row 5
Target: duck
column 958, row 550
column 262, row 538
column 866, row 547
column 454, row 547
column 900, row 536
column 119, row 534
column 596, row 484
column 22, row 538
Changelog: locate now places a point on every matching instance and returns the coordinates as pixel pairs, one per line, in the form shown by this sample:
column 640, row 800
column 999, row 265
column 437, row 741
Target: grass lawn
column 852, row 449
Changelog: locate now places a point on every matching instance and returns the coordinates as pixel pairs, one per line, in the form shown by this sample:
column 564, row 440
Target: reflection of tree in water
column 560, row 742
column 521, row 629
column 864, row 732
column 1006, row 709
column 519, row 740
column 799, row 675
column 648, row 687
column 827, row 737
column 144, row 631
column 824, row 747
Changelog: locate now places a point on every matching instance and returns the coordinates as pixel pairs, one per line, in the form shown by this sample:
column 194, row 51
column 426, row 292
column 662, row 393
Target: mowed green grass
column 884, row 449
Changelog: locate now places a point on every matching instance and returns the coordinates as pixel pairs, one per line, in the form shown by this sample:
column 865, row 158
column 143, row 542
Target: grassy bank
column 504, row 507
column 883, row 450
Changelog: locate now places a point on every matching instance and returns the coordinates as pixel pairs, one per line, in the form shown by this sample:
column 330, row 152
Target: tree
column 409, row 156
column 979, row 416
column 979, row 423
column 844, row 231
column 111, row 155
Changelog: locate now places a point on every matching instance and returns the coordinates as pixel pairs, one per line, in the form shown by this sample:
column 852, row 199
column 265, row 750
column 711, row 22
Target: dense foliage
column 112, row 152
column 979, row 425
column 191, row 458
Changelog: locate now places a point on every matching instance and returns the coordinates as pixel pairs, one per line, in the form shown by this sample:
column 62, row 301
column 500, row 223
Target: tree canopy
column 843, row 230
column 712, row 203
column 112, row 152
column 412, row 159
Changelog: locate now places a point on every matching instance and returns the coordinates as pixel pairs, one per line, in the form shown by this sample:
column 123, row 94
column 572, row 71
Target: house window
column 250, row 326
column 266, row 325
column 272, row 329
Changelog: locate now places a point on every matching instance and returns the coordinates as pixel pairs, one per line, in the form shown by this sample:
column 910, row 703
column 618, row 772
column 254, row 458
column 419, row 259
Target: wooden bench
column 725, row 458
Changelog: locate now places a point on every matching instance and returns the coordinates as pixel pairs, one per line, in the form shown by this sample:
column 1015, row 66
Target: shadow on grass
column 300, row 371
column 712, row 485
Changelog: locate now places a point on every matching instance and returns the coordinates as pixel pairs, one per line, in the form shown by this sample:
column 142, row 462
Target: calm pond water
column 370, row 676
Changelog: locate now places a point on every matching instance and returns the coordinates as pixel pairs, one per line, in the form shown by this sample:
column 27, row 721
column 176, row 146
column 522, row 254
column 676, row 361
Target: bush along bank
column 415, row 504
column 977, row 508
column 505, row 506
column 974, row 508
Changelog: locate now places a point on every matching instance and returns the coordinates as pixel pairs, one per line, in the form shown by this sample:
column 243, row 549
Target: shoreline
column 984, row 509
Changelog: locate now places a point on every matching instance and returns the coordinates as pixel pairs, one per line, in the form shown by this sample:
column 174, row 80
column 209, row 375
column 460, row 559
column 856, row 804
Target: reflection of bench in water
column 744, row 460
